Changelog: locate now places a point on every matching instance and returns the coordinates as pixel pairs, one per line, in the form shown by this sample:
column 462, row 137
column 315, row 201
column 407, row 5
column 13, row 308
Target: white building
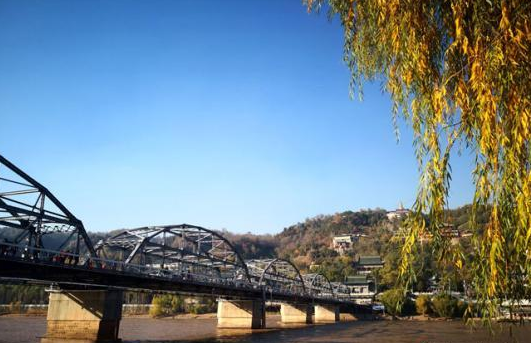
column 361, row 288
column 343, row 243
column 399, row 213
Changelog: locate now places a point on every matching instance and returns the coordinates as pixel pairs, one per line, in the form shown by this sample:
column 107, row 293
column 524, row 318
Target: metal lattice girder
column 318, row 285
column 276, row 275
column 182, row 249
column 31, row 216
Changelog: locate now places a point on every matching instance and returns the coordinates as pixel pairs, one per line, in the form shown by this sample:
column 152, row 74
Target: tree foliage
column 166, row 305
column 444, row 305
column 458, row 72
column 171, row 304
column 423, row 304
column 396, row 303
column 25, row 294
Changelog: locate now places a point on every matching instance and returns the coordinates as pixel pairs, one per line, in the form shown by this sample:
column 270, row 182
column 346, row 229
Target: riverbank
column 343, row 316
column 138, row 329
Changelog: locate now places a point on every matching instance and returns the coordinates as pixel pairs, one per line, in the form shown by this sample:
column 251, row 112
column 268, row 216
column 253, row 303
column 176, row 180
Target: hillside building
column 343, row 243
column 361, row 287
column 399, row 213
column 448, row 231
column 366, row 264
column 359, row 284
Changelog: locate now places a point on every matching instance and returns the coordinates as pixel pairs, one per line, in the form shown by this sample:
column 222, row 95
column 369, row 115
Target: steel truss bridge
column 41, row 240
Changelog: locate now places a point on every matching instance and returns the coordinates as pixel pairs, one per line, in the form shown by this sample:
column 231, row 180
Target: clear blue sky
column 225, row 114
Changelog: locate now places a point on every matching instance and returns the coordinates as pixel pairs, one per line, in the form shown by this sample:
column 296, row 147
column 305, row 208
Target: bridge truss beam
column 277, row 275
column 30, row 215
column 177, row 249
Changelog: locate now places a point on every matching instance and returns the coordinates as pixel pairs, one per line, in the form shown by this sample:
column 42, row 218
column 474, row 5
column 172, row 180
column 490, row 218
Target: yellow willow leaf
column 394, row 39
column 414, row 106
column 492, row 288
column 458, row 29
column 504, row 22
column 459, row 264
column 525, row 123
column 493, row 255
column 407, row 78
column 464, row 45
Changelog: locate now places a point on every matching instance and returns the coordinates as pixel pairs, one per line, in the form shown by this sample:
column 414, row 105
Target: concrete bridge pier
column 83, row 316
column 296, row 313
column 241, row 314
column 326, row 313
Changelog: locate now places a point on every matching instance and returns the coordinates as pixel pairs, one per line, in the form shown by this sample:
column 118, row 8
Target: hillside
column 309, row 244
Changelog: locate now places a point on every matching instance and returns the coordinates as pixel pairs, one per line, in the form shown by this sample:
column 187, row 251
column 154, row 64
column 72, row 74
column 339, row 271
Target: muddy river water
column 144, row 330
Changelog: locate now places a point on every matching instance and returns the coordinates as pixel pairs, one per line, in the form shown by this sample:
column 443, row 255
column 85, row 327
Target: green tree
column 422, row 304
column 166, row 305
column 158, row 306
column 336, row 269
column 177, row 304
column 444, row 305
column 202, row 305
column 458, row 72
column 396, row 303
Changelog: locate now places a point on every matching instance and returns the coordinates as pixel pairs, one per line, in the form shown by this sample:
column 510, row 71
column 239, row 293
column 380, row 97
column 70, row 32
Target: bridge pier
column 296, row 313
column 326, row 313
column 241, row 314
column 83, row 315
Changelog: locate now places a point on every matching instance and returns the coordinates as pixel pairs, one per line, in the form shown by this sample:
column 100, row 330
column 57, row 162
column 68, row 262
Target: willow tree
column 460, row 73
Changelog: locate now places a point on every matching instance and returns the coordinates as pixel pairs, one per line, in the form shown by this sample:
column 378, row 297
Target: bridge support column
column 326, row 313
column 296, row 313
column 242, row 314
column 86, row 316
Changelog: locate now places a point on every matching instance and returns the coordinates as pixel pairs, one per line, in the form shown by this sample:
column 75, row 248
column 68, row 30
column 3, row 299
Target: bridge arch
column 318, row 285
column 184, row 250
column 277, row 275
column 33, row 221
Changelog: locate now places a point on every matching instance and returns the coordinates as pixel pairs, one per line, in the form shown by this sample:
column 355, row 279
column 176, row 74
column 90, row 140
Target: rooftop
column 369, row 260
column 357, row 280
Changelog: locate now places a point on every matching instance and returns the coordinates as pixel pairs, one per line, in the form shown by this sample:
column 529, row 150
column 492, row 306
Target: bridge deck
column 70, row 276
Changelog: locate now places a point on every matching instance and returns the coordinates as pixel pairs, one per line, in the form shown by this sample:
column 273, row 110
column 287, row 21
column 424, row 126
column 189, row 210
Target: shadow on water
column 339, row 332
column 367, row 332
column 279, row 333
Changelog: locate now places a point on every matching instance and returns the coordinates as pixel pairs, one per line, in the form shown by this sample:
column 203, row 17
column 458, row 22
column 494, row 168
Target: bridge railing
column 68, row 259
column 71, row 260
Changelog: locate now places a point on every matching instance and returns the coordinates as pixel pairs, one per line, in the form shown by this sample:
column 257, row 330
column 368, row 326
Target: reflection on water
column 386, row 331
column 144, row 330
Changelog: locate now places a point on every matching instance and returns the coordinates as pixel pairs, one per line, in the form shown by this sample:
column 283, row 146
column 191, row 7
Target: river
column 144, row 330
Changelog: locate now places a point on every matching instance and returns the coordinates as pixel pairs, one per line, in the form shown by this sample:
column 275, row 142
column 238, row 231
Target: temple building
column 366, row 264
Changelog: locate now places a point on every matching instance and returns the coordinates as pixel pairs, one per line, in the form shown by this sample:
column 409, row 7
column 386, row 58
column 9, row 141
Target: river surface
column 146, row 330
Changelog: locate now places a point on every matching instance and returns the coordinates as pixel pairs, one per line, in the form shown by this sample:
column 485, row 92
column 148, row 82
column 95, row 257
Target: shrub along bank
column 170, row 304
column 442, row 305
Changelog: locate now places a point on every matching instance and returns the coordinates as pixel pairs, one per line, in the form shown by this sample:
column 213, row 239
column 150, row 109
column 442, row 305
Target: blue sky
column 225, row 114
